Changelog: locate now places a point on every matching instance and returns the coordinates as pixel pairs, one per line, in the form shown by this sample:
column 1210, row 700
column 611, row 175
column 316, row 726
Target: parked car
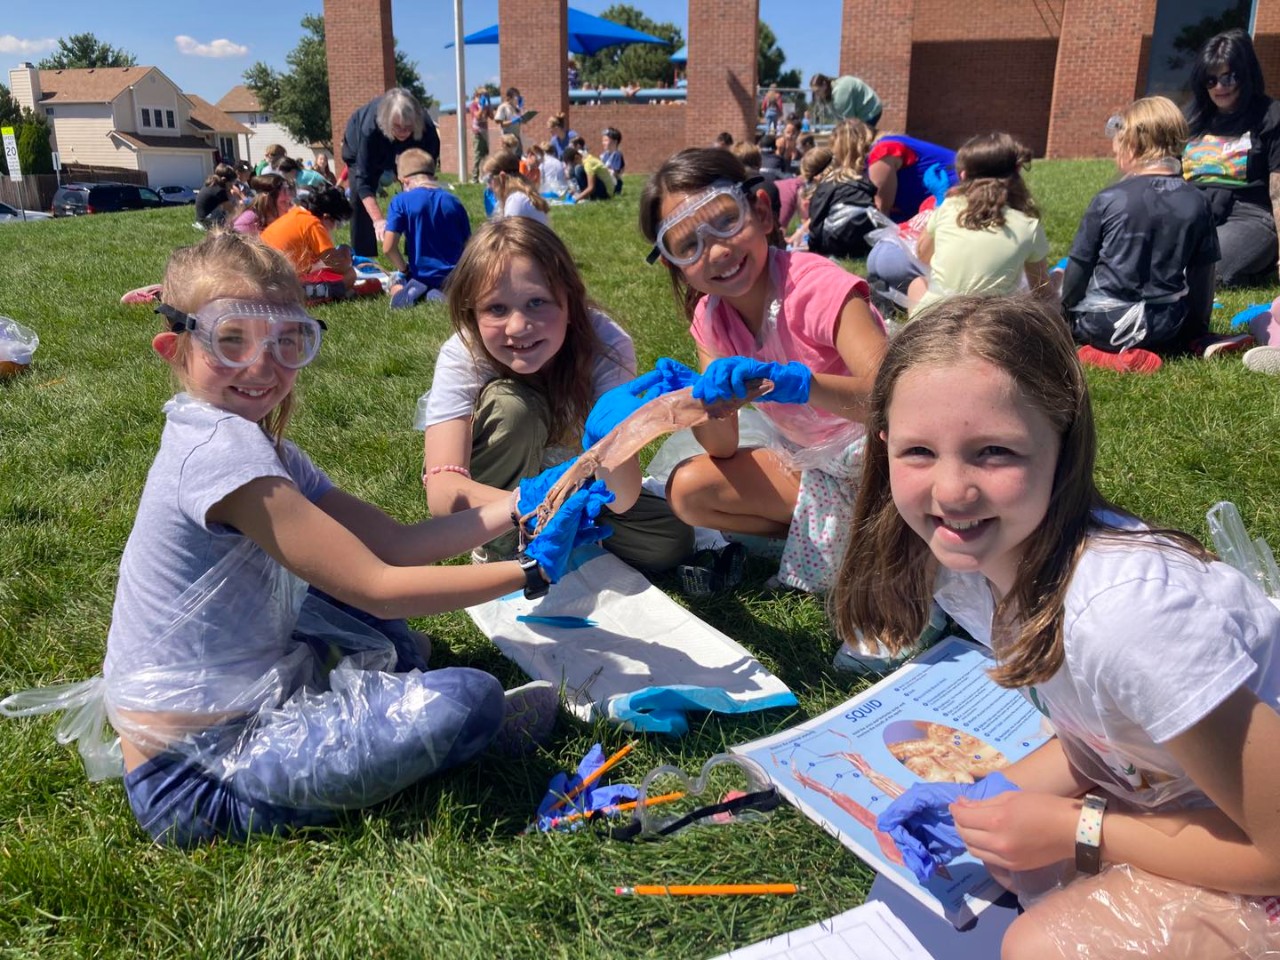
column 8, row 213
column 176, row 194
column 77, row 199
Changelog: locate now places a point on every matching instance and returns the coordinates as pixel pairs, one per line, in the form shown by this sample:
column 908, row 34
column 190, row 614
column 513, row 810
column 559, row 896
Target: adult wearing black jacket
column 376, row 134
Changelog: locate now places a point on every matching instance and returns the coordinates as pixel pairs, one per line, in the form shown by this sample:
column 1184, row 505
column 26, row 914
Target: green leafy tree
column 10, row 112
column 647, row 64
column 1195, row 35
column 18, row 117
column 85, row 50
column 298, row 98
column 34, row 153
column 770, row 58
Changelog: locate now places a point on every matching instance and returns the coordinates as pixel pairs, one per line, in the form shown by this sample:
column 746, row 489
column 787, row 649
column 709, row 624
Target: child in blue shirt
column 611, row 156
column 434, row 224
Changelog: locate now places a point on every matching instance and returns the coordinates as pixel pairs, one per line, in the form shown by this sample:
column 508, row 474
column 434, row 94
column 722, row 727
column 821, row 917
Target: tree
column 10, row 112
column 34, row 153
column 13, row 115
column 647, row 64
column 85, row 50
column 1195, row 35
column 770, row 58
column 298, row 99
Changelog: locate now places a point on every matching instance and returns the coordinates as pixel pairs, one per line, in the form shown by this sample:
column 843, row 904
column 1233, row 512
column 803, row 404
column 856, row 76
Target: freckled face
column 971, row 465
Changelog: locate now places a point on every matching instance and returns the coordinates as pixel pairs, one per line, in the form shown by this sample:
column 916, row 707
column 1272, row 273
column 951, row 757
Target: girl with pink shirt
column 795, row 319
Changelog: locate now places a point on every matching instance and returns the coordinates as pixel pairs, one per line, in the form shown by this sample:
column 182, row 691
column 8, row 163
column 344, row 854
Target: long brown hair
column 504, row 166
column 266, row 200
column 992, row 165
column 567, row 380
column 885, row 584
column 229, row 264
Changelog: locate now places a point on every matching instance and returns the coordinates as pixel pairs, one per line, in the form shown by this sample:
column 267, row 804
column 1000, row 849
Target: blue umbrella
column 587, row 34
column 680, row 56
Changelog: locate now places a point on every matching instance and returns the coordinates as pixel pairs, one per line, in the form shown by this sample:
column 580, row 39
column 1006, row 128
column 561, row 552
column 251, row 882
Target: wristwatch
column 535, row 583
column 1089, row 834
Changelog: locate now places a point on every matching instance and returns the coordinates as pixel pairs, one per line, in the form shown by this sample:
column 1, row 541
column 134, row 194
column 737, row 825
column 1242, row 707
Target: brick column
column 1099, row 52
column 534, row 58
column 875, row 45
column 1266, row 41
column 722, row 70
column 361, row 56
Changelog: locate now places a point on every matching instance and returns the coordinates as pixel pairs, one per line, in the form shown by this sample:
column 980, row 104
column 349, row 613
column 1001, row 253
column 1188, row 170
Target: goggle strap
column 179, row 322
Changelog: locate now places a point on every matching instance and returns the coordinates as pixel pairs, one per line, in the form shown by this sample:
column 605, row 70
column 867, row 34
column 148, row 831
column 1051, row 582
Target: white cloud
column 11, row 44
column 218, row 49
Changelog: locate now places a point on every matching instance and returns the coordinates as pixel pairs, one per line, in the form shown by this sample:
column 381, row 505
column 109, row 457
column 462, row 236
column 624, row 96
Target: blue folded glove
column 727, row 377
column 619, row 403
column 922, row 827
column 533, row 490
column 937, row 182
column 573, row 525
column 1242, row 318
column 589, row 800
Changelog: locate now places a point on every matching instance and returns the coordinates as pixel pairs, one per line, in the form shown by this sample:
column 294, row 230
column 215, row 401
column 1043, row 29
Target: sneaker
column 1264, row 360
column 408, row 295
column 148, row 294
column 713, row 571
column 1265, row 330
column 1134, row 360
column 867, row 658
column 1213, row 344
column 528, row 718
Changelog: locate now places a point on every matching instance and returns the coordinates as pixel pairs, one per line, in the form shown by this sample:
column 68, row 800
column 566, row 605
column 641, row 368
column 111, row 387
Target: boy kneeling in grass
column 435, row 228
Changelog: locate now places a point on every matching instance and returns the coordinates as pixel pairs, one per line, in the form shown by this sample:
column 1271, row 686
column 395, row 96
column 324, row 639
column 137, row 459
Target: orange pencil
column 618, row 808
column 707, row 889
column 592, row 778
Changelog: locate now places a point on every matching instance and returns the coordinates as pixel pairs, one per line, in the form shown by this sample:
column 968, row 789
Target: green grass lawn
column 440, row 870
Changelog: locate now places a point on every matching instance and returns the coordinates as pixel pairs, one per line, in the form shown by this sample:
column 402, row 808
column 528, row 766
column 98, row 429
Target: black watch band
column 535, row 584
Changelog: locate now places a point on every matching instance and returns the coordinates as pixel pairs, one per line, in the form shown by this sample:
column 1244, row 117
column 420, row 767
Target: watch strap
column 1089, row 834
column 535, row 583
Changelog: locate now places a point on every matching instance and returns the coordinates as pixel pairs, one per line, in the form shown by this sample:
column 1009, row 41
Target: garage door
column 178, row 169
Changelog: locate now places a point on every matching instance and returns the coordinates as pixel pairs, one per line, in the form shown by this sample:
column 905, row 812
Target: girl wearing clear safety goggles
column 234, row 522
column 760, row 313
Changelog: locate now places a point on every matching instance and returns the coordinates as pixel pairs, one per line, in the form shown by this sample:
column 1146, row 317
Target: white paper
column 868, row 932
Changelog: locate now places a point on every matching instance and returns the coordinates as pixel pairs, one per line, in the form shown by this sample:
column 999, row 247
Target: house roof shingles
column 93, row 85
column 240, row 99
column 204, row 115
column 143, row 140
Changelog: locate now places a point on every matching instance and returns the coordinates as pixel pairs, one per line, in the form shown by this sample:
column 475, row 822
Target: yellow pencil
column 707, row 889
column 591, row 778
column 617, row 808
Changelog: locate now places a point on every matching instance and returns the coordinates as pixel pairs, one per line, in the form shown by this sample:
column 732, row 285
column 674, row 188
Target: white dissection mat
column 623, row 649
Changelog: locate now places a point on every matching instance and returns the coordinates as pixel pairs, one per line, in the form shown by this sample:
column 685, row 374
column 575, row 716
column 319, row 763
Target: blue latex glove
column 533, row 490
column 922, row 827
column 625, row 399
column 937, row 182
column 1242, row 318
column 573, row 525
column 490, row 202
column 727, row 377
column 593, row 798
column 1060, row 265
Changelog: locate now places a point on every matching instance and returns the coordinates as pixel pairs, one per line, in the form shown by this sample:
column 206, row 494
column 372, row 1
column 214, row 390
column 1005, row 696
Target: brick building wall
column 538, row 65
column 722, row 71
column 875, row 44
column 361, row 58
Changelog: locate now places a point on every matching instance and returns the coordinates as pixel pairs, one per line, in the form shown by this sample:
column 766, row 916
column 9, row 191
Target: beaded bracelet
column 445, row 468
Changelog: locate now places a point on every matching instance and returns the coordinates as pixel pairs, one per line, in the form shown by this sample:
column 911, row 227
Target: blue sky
column 206, row 55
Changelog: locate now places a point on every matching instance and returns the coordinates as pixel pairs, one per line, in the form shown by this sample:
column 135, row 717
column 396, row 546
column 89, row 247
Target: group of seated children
column 952, row 464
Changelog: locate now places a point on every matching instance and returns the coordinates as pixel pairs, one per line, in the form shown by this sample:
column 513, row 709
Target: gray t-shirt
column 173, row 621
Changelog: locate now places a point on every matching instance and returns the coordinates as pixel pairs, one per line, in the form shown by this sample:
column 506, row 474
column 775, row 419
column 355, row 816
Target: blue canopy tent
column 680, row 56
column 587, row 34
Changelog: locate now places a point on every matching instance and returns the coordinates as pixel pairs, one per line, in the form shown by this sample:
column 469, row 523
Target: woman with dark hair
column 376, row 134
column 1234, row 154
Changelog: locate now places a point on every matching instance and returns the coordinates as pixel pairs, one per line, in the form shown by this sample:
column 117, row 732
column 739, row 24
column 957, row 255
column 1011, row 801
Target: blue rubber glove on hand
column 1242, row 318
column 619, row 403
column 922, row 827
column 533, row 490
column 727, row 378
column 937, row 182
column 573, row 525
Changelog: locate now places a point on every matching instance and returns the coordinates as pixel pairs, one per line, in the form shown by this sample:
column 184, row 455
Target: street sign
column 11, row 153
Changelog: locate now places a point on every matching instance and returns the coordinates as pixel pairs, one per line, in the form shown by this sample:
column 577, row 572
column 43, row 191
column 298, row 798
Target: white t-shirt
column 519, row 205
column 459, row 377
column 1154, row 641
column 554, row 178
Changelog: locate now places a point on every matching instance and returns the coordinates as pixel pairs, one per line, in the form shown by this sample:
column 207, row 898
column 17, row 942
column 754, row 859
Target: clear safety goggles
column 720, row 211
column 235, row 332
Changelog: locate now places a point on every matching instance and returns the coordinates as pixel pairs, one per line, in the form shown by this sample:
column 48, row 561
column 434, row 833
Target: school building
column 1048, row 71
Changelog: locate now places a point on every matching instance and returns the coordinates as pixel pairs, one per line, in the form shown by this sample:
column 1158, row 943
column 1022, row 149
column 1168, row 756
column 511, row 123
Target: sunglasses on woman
column 1227, row 80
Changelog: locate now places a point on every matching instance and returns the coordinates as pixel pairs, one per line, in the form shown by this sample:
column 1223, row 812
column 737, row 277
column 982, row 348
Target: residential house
column 134, row 118
column 242, row 104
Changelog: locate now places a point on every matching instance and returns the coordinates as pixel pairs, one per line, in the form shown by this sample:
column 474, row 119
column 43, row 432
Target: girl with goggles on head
column 218, row 667
column 759, row 313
